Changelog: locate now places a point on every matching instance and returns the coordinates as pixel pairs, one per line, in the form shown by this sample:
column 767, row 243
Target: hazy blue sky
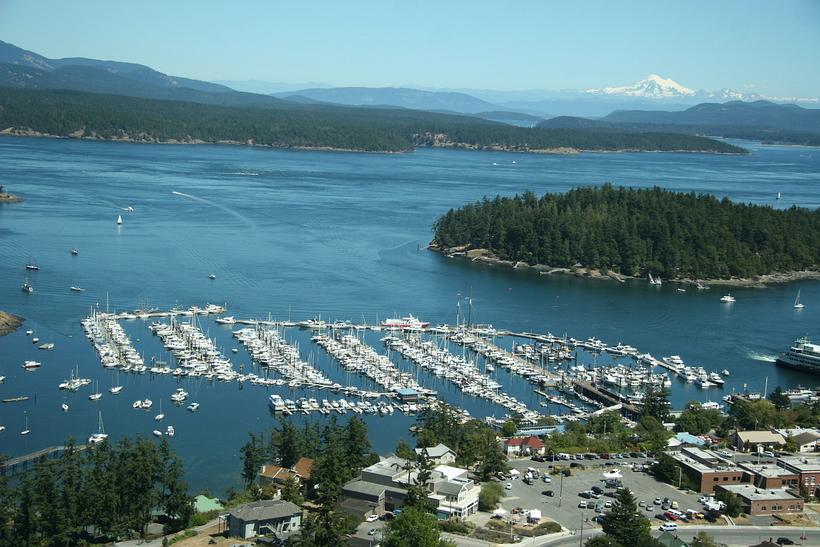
column 774, row 45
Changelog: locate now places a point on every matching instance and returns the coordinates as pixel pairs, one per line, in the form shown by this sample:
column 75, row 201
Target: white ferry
column 408, row 322
column 803, row 355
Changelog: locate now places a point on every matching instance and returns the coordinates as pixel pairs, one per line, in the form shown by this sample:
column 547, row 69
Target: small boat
column 2, row 428
column 29, row 332
column 234, row 350
column 655, row 280
column 31, row 365
column 170, row 431
column 193, row 407
column 35, row 340
column 31, row 265
column 212, row 277
column 96, row 396
column 724, row 372
column 778, row 195
column 229, row 320
column 64, row 406
column 797, row 304
column 727, row 299
column 159, row 416
column 74, row 252
column 27, row 288
column 2, row 379
column 680, row 289
column 100, row 435
column 119, row 220
column 158, row 433
column 48, row 345
column 77, row 289
column 128, row 209
column 26, row 431
column 115, row 390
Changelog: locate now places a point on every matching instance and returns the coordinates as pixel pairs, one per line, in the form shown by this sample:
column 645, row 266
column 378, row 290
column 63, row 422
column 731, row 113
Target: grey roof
column 450, row 488
column 364, row 487
column 435, row 451
column 388, row 467
column 805, row 438
column 753, row 493
column 265, row 510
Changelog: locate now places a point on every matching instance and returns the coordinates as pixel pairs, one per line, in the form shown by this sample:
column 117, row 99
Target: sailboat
column 116, row 389
column 119, row 220
column 100, row 435
column 797, row 304
column 31, row 265
column 96, row 396
column 654, row 280
column 26, row 431
column 159, row 416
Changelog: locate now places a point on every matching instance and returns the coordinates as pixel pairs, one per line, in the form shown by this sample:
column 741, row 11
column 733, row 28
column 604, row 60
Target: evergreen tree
column 655, row 402
column 414, row 527
column 357, row 445
column 779, row 399
column 623, row 523
column 252, row 458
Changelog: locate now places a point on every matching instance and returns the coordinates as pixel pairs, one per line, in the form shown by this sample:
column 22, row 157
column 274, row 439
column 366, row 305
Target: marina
column 277, row 263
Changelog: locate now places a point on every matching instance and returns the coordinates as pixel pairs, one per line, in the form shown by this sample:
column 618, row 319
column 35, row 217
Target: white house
column 807, row 441
column 439, row 454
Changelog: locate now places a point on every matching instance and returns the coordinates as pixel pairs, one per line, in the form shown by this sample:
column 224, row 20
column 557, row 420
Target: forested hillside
column 636, row 232
column 79, row 114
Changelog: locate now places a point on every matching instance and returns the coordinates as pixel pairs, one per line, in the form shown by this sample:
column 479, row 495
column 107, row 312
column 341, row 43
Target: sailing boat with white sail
column 100, row 435
column 797, row 304
column 117, row 388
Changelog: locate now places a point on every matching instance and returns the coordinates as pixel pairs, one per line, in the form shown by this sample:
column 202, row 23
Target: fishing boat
column 797, row 304
column 31, row 365
column 77, row 289
column 100, row 435
column 35, row 340
column 119, row 220
column 727, row 298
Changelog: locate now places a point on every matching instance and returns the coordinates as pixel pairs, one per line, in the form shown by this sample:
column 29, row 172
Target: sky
column 772, row 47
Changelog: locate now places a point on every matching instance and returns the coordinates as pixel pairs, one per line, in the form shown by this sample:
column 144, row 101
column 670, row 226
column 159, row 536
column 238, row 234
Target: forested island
column 635, row 232
column 74, row 114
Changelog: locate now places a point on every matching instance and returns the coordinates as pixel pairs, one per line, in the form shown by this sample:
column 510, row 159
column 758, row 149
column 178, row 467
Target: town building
column 276, row 475
column 705, row 468
column 383, row 487
column 807, row 442
column 264, row 517
column 524, row 446
column 752, row 441
column 764, row 501
column 769, row 476
column 807, row 467
column 439, row 454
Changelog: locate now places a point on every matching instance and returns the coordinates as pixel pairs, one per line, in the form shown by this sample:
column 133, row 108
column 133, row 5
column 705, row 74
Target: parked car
column 590, row 505
column 784, row 541
column 585, row 494
column 508, row 486
column 547, row 479
column 668, row 527
column 575, row 464
column 658, row 501
column 549, row 493
column 371, row 532
column 582, row 505
column 372, row 518
column 670, row 515
column 598, row 518
column 604, row 456
column 768, row 453
column 597, row 490
column 608, row 504
column 641, row 503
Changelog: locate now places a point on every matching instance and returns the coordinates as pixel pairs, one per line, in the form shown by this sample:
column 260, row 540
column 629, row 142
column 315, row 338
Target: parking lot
column 563, row 506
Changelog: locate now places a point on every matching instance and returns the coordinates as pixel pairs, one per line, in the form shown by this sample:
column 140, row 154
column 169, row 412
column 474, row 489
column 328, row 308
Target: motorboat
column 74, row 288
column 212, row 277
column 31, row 365
column 64, row 406
column 74, row 252
column 193, row 407
column 158, row 433
column 170, row 431
column 119, row 220
column 27, row 288
column 727, row 298
column 46, row 346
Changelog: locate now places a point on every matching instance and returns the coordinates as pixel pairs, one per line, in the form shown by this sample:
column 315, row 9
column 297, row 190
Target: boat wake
column 761, row 356
column 243, row 219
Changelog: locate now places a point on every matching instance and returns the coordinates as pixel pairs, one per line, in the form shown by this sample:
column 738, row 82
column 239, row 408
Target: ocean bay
column 298, row 234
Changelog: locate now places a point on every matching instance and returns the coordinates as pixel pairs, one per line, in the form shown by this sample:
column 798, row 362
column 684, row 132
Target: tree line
column 637, row 232
column 286, row 124
column 105, row 492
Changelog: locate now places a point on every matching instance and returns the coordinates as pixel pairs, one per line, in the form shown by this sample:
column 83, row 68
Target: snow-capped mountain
column 653, row 86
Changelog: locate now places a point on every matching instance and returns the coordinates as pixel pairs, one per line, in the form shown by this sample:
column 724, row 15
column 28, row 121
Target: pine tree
column 623, row 523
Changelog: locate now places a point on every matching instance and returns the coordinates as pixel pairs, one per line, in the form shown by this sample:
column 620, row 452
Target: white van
column 668, row 527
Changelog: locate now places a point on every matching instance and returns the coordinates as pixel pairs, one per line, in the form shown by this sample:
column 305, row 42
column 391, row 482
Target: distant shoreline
column 484, row 256
column 9, row 323
column 561, row 150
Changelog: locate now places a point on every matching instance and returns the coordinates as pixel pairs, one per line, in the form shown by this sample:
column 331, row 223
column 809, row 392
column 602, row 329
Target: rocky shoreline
column 485, row 256
column 426, row 141
column 9, row 323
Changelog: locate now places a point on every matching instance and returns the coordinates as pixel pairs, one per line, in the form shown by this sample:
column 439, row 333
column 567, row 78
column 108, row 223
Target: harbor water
column 290, row 234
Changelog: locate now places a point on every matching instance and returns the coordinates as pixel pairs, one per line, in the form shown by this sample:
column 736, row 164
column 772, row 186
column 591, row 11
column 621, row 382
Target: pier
column 590, row 390
column 18, row 464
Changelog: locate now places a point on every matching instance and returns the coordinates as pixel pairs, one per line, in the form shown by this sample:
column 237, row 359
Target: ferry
column 802, row 355
column 408, row 322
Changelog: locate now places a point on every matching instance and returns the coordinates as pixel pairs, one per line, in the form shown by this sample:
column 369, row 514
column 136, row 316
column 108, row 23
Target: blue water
column 306, row 233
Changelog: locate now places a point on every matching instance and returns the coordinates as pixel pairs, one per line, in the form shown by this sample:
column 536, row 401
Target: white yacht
column 100, row 435
column 229, row 320
column 170, row 431
column 727, row 298
column 119, row 220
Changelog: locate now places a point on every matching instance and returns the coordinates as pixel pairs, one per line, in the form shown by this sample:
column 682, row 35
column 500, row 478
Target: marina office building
column 764, row 501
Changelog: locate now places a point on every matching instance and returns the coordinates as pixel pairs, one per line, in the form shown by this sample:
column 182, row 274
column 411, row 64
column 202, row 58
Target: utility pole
column 581, row 539
column 679, row 475
column 561, row 487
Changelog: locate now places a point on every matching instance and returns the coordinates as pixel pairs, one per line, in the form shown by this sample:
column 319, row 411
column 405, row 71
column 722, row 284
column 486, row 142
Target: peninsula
column 621, row 232
column 93, row 116
column 9, row 323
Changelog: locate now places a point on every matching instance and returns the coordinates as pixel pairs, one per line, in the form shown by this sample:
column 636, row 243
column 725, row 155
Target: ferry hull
column 798, row 366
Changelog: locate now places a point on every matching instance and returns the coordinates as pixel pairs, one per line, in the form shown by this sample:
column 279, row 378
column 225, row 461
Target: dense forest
column 106, row 491
column 79, row 114
column 636, row 232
